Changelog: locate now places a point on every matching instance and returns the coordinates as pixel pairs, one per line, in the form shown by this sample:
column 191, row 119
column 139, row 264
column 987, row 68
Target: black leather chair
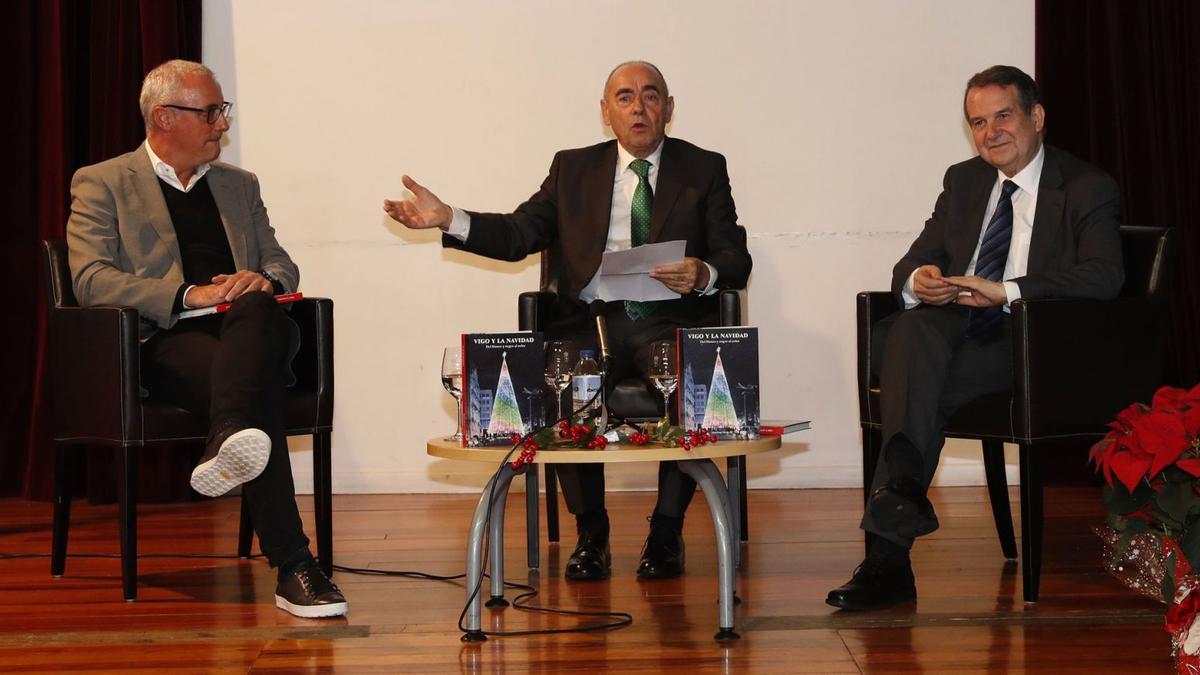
column 1075, row 364
column 95, row 398
column 630, row 400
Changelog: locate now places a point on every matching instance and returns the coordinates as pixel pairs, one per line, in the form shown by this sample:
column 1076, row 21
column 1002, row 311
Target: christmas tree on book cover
column 719, row 413
column 506, row 412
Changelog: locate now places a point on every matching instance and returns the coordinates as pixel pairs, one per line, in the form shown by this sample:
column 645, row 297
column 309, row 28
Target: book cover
column 282, row 299
column 503, row 386
column 718, row 387
column 781, row 427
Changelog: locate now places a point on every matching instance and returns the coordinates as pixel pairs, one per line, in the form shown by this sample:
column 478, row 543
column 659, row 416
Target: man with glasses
column 167, row 228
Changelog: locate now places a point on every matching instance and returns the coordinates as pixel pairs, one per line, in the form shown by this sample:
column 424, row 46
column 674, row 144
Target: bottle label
column 583, row 387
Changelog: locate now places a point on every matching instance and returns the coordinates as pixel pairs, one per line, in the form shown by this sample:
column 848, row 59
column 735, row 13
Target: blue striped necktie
column 993, row 256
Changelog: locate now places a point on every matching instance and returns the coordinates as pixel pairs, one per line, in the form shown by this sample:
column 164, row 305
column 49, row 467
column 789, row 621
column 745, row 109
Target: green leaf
column 1176, row 500
column 1119, row 500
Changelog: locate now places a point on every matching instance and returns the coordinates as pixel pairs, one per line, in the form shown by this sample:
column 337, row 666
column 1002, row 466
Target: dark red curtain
column 78, row 68
column 1121, row 84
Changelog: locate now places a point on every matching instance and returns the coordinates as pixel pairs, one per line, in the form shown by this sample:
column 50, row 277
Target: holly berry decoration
column 528, row 451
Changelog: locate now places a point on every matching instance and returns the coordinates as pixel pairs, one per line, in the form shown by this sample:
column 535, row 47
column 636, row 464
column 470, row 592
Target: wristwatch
column 276, row 284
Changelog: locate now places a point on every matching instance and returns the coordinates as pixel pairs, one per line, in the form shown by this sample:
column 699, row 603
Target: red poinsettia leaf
column 1182, row 613
column 1130, row 468
column 1162, row 434
column 1131, row 413
column 1191, row 420
column 1169, row 398
column 1190, row 465
column 1102, row 449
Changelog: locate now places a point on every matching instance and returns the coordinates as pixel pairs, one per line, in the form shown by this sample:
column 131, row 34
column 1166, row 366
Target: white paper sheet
column 625, row 275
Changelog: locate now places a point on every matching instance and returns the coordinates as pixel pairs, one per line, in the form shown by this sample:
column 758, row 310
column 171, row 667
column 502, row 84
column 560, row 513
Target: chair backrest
column 57, row 273
column 1149, row 254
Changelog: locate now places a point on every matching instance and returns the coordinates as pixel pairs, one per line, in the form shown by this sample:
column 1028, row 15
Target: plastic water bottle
column 586, row 380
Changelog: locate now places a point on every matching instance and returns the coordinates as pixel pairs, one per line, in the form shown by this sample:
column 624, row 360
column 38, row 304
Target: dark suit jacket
column 1075, row 250
column 568, row 218
column 123, row 248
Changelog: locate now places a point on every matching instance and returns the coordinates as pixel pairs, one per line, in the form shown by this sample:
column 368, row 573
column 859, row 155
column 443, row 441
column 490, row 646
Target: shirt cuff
column 179, row 296
column 460, row 225
column 1013, row 291
column 910, row 299
column 712, row 281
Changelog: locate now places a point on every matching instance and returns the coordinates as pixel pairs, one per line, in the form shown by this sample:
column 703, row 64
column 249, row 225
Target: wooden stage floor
column 205, row 615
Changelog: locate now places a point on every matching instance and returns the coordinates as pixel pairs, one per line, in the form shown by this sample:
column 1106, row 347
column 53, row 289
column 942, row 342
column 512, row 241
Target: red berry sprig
column 697, row 438
column 597, row 443
column 528, row 451
column 639, row 438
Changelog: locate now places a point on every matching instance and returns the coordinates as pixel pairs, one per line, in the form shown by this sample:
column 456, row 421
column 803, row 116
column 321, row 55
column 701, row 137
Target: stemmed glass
column 558, row 370
column 664, row 371
column 452, row 381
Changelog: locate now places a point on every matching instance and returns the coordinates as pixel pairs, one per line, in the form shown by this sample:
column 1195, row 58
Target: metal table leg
column 497, row 489
column 737, row 483
column 532, row 525
column 705, row 473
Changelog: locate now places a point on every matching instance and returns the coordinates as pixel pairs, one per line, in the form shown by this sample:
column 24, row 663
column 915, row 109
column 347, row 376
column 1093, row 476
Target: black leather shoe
column 662, row 556
column 877, row 583
column 308, row 593
column 903, row 508
column 234, row 455
column 591, row 559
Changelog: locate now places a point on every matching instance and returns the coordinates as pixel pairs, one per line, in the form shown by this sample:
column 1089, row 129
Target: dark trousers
column 928, row 370
column 231, row 367
column 629, row 341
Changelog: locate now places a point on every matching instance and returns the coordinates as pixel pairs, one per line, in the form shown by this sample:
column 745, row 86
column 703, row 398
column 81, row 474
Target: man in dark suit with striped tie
column 1021, row 220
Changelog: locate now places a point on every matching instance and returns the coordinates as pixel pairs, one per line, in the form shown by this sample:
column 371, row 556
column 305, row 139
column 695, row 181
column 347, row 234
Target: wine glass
column 664, row 371
column 558, row 370
column 452, row 381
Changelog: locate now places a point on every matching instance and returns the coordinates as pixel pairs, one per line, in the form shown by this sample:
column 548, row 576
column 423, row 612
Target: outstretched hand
column 422, row 212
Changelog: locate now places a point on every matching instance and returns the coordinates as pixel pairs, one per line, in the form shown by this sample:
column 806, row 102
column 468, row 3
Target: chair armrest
column 1076, row 363
column 313, row 364
column 731, row 307
column 533, row 309
column 871, row 306
column 95, row 372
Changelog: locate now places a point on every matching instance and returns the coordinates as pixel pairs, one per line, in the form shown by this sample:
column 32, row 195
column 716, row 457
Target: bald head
column 662, row 81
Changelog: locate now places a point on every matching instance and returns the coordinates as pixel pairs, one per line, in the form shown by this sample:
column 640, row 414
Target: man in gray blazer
column 1021, row 220
column 167, row 228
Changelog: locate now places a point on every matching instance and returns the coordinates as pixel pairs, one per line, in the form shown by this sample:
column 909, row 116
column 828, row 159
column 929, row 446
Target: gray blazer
column 123, row 248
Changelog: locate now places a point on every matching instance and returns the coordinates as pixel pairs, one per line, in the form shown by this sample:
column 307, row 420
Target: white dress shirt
column 1024, row 202
column 619, row 219
column 167, row 172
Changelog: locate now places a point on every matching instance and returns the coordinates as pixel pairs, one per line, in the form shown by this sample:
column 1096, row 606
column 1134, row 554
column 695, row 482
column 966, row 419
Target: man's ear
column 1039, row 117
column 670, row 110
column 162, row 118
column 604, row 112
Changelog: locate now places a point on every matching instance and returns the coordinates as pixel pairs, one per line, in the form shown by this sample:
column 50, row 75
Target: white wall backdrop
column 837, row 118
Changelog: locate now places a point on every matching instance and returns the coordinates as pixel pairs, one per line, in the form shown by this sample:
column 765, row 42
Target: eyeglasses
column 210, row 113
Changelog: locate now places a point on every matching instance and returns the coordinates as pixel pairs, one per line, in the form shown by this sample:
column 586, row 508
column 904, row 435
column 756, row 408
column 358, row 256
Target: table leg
column 532, row 525
column 737, row 482
column 705, row 473
column 496, row 546
column 497, row 489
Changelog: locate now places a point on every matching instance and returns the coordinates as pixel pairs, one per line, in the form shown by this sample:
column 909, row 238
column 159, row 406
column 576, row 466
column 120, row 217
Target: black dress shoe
column 877, row 583
column 591, row 560
column 903, row 508
column 234, row 455
column 308, row 593
column 662, row 556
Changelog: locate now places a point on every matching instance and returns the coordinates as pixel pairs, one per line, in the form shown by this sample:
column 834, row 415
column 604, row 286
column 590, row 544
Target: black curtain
column 78, row 68
column 1120, row 80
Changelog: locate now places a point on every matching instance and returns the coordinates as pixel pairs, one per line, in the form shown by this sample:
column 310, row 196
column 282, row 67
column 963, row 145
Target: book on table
column 718, row 387
column 503, row 385
column 781, row 427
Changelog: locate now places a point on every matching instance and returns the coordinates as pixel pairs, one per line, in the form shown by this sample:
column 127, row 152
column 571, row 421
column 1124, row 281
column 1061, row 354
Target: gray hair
column 645, row 64
column 164, row 82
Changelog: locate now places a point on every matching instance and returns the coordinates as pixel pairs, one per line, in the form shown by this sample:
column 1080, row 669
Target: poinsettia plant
column 1151, row 463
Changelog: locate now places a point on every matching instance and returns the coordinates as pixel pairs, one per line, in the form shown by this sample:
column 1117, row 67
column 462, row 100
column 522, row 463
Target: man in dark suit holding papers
column 1021, row 220
column 167, row 228
column 641, row 188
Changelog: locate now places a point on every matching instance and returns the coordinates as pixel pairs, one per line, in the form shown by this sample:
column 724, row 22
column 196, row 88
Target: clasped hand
column 932, row 288
column 226, row 288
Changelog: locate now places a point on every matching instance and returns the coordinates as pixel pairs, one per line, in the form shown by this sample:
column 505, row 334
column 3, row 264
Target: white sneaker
column 239, row 457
